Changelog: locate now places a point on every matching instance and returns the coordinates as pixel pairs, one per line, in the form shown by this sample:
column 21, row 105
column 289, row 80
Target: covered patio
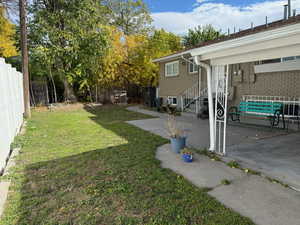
column 274, row 152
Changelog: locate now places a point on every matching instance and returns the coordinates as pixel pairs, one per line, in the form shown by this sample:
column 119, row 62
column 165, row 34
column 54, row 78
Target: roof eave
column 171, row 57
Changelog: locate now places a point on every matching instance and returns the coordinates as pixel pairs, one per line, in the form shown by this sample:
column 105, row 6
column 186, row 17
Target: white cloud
column 201, row 1
column 222, row 16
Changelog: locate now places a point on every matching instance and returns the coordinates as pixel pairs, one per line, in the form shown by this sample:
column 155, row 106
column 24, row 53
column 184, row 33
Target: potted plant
column 186, row 155
column 177, row 137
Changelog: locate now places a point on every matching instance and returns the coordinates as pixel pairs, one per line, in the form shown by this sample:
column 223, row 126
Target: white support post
column 198, row 102
column 225, row 111
column 210, row 102
column 216, row 73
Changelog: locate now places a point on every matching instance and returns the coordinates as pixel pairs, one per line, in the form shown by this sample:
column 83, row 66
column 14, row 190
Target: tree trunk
column 32, row 98
column 68, row 92
column 90, row 92
column 24, row 49
column 53, row 84
column 96, row 93
column 47, row 93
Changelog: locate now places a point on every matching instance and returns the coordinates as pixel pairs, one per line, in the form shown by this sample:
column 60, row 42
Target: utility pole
column 24, row 49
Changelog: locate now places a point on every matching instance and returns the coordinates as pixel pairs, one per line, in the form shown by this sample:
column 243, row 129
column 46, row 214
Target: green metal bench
column 271, row 110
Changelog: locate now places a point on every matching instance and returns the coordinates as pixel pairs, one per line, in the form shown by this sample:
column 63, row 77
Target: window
column 193, row 68
column 278, row 60
column 172, row 69
column 270, row 61
column 290, row 58
column 172, row 100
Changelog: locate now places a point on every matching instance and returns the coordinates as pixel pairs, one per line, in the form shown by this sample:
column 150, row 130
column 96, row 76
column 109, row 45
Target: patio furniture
column 293, row 119
column 271, row 110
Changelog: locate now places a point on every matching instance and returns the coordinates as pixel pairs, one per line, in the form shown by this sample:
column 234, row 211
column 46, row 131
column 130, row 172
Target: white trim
column 172, row 97
column 157, row 92
column 192, row 62
column 286, row 31
column 278, row 67
column 249, row 39
column 174, row 56
column 263, row 54
column 173, row 74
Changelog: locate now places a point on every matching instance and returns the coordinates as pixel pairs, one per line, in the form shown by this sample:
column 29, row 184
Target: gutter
column 210, row 102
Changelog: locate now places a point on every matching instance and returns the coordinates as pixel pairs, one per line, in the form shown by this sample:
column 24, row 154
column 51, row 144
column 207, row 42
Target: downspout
column 210, row 102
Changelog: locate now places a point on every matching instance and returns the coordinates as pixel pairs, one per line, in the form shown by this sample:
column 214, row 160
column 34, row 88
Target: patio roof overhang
column 276, row 43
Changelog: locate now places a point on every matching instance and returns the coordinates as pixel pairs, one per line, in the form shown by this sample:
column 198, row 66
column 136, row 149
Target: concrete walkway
column 264, row 202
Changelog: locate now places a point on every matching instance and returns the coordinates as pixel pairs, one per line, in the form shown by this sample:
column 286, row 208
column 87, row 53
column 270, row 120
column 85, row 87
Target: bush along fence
column 11, row 108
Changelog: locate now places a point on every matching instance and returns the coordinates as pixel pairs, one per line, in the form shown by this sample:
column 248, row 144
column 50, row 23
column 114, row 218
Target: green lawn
column 90, row 167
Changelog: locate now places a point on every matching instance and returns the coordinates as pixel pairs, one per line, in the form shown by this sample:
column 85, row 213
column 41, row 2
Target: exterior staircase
column 192, row 99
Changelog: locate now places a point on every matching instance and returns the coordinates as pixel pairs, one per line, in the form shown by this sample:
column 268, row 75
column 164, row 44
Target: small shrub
column 247, row 170
column 233, row 164
column 186, row 151
column 213, row 156
column 225, row 182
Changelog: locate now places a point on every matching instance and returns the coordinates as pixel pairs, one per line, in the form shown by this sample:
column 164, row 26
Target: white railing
column 291, row 105
column 191, row 98
column 11, row 108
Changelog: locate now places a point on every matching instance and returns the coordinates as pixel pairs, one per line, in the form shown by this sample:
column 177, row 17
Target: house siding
column 175, row 86
column 266, row 84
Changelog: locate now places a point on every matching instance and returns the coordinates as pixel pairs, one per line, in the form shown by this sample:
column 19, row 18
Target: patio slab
column 203, row 172
column 197, row 130
column 276, row 157
column 264, row 202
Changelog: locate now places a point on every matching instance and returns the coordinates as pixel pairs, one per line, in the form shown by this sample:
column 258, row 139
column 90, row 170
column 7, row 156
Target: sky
column 180, row 15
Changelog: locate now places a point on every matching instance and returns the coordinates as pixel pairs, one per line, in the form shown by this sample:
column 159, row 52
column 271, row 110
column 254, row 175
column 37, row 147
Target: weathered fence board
column 11, row 108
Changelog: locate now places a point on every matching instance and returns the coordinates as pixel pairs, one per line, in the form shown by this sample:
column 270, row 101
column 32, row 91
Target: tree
column 74, row 46
column 129, row 59
column 200, row 34
column 129, row 16
column 163, row 43
column 7, row 32
column 158, row 44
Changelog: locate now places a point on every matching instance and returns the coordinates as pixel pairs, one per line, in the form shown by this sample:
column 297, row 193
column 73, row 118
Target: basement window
column 172, row 100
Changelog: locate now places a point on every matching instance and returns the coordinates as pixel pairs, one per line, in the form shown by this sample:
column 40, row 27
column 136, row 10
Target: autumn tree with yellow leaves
column 7, row 32
column 129, row 58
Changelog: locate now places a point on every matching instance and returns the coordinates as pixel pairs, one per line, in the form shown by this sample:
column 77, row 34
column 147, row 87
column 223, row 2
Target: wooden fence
column 11, row 108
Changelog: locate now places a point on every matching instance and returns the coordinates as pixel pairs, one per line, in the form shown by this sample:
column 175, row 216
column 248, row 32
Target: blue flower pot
column 187, row 158
column 178, row 144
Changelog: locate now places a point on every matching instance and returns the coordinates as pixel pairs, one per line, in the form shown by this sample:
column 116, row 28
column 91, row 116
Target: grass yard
column 90, row 167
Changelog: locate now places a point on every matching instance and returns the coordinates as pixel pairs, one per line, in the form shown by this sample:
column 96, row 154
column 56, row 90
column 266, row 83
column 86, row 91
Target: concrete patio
column 274, row 152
